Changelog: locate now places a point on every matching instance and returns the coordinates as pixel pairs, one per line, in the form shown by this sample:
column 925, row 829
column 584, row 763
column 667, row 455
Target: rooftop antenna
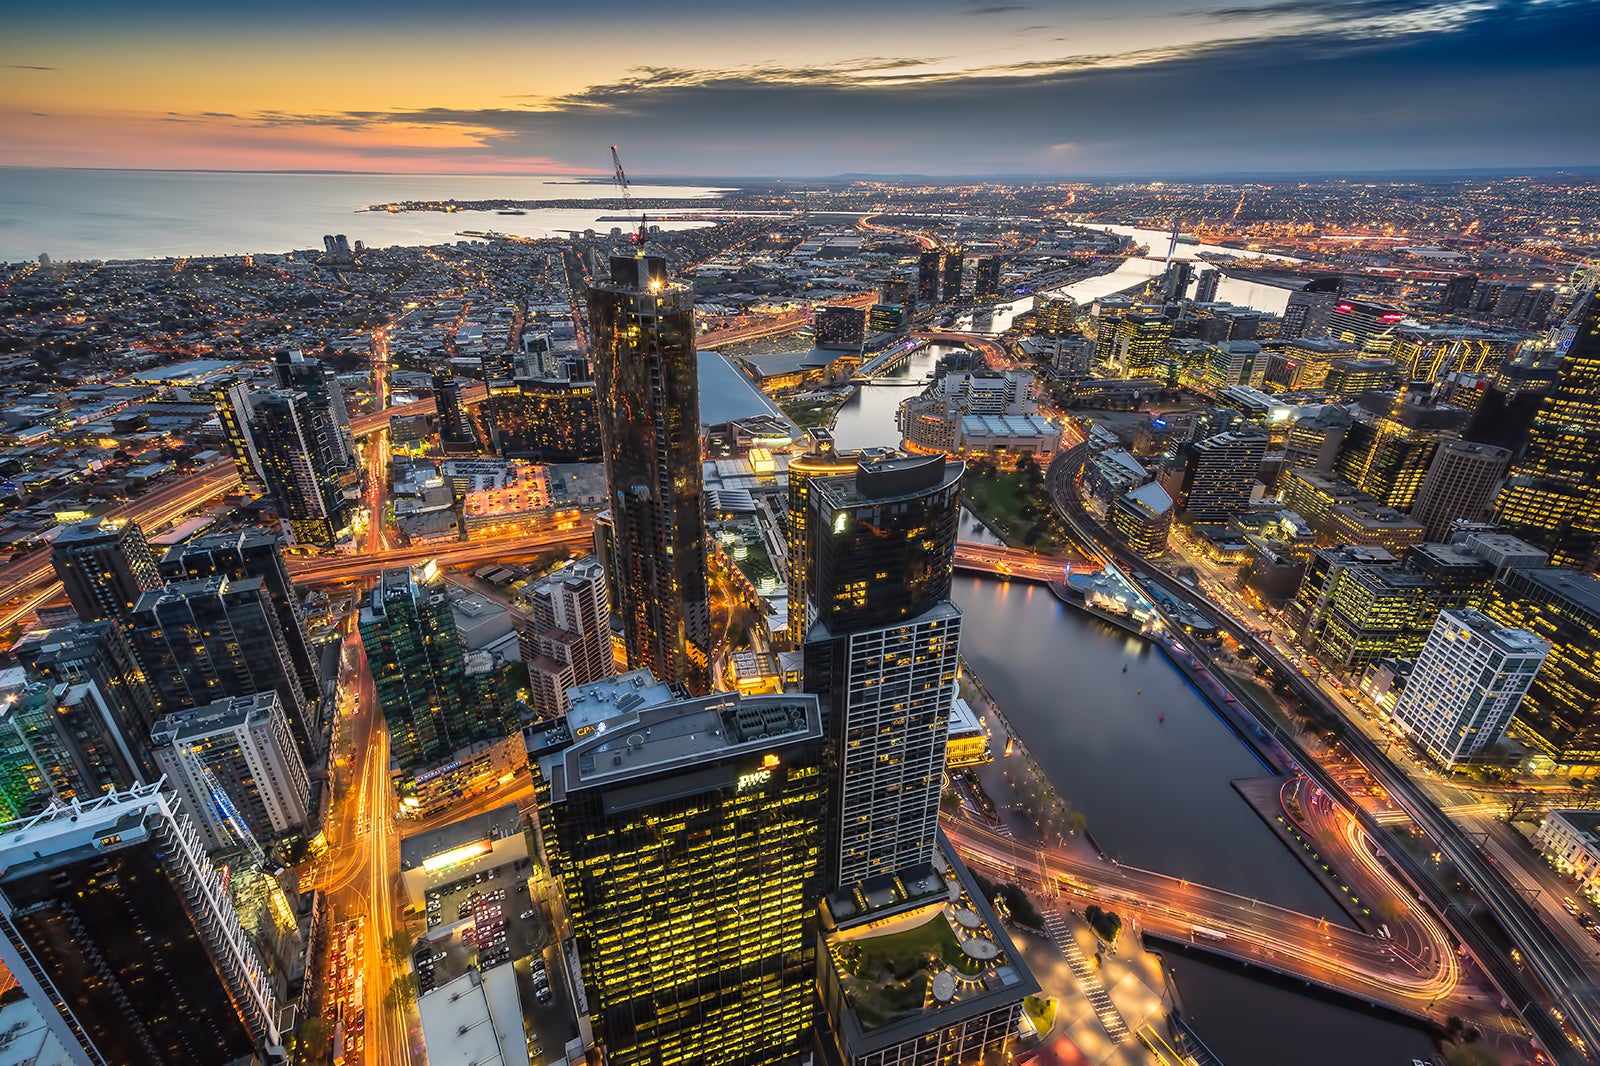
column 621, row 179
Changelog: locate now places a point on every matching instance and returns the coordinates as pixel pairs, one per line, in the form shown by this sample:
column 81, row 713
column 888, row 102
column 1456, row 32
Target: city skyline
column 1159, row 86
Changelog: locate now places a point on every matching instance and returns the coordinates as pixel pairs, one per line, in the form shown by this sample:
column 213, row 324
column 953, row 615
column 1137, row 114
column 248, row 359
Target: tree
column 1077, row 822
column 950, row 803
column 1521, row 804
column 398, row 946
column 315, row 1032
column 401, row 995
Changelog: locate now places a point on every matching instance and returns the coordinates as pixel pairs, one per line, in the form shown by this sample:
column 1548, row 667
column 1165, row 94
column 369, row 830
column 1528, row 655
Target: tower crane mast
column 621, row 178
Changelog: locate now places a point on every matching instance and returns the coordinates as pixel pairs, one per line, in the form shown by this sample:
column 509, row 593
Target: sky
column 1083, row 88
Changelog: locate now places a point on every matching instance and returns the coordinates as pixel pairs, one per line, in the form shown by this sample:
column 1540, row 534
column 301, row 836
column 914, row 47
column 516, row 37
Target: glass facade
column 642, row 335
column 820, row 461
column 1552, row 499
column 1560, row 715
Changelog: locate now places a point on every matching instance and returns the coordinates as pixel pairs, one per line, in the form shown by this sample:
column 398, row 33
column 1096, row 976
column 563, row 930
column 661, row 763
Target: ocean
column 136, row 214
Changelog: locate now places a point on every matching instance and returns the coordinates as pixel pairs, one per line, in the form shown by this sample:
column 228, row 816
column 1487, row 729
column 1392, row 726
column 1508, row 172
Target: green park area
column 1041, row 1011
column 812, row 412
column 889, row 974
column 1014, row 503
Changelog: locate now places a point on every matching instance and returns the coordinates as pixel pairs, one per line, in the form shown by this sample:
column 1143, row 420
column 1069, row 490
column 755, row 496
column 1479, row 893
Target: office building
column 419, row 670
column 1301, row 362
column 888, row 318
column 1217, row 476
column 1349, row 378
column 686, row 836
column 1232, row 363
column 1308, row 311
column 642, row 332
column 1368, row 325
column 202, row 640
column 1137, row 345
column 820, row 460
column 928, row 277
column 881, row 654
column 900, row 290
column 1315, row 438
column 986, row 277
column 1560, row 718
column 59, row 742
column 1144, row 518
column 1570, row 841
column 546, row 419
column 951, row 276
column 117, row 927
column 1055, row 316
column 1390, row 446
column 247, row 553
column 235, row 412
column 1205, row 289
column 1460, row 485
column 458, row 435
column 97, row 655
column 1552, row 499
column 104, row 567
column 315, row 495
column 565, row 636
column 237, row 768
column 840, row 326
column 1176, row 279
column 1466, row 685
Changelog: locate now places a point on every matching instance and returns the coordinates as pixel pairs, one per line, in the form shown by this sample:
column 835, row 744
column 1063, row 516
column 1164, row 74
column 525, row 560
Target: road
column 1550, row 988
column 571, row 531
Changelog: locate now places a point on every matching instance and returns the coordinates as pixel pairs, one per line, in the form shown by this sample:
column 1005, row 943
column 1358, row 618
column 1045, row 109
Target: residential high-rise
column 457, row 433
column 58, row 743
column 329, row 420
column 1205, row 290
column 203, row 640
column 1176, row 280
column 315, row 494
column 950, row 277
column 419, row 670
column 565, row 637
column 105, row 567
column 928, row 277
column 842, row 327
column 686, row 835
column 986, row 278
column 1552, row 499
column 900, row 291
column 820, row 460
column 642, row 340
column 1466, row 684
column 881, row 655
column 118, row 927
column 1461, row 483
column 246, row 553
column 235, row 412
column 241, row 745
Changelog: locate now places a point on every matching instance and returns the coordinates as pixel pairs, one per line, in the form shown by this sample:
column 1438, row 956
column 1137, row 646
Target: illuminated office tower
column 820, row 460
column 565, row 636
column 642, row 335
column 419, row 670
column 104, row 567
column 986, row 278
column 203, row 640
column 1466, row 684
column 235, row 411
column 1552, row 499
column 686, row 835
column 120, row 930
column 950, row 277
column 1205, row 290
column 1055, row 316
column 881, row 654
column 928, row 277
column 888, row 318
column 457, row 434
column 1369, row 326
column 1560, row 718
column 1139, row 345
column 1390, row 446
column 1460, row 484
column 241, row 745
column 246, row 553
column 839, row 326
column 313, row 492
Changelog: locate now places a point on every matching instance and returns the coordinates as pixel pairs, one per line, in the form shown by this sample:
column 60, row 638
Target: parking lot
column 495, row 920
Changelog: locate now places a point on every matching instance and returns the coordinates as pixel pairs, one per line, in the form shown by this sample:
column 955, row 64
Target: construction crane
column 621, row 178
column 227, row 815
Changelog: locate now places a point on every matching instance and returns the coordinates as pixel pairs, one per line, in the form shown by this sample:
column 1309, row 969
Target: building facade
column 104, row 568
column 565, row 636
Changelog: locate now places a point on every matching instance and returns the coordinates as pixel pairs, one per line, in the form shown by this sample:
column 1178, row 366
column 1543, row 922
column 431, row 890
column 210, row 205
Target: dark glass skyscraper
column 821, row 460
column 311, row 489
column 105, row 567
column 686, row 835
column 119, row 930
column 642, row 336
column 457, row 434
column 1552, row 499
column 881, row 656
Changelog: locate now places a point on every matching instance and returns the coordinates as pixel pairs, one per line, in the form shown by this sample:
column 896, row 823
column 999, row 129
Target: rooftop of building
column 1505, row 639
column 1584, row 823
column 728, row 395
column 878, row 953
column 1006, row 426
column 1581, row 591
column 62, row 835
column 219, row 716
column 885, row 479
column 1151, row 498
column 474, row 1020
column 478, row 829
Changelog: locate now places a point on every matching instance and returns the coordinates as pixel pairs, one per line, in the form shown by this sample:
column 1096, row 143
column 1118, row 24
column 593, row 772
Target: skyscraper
column 235, row 412
column 1560, row 718
column 950, row 278
column 686, row 835
column 241, row 745
column 1460, row 484
column 565, row 637
column 820, row 460
column 203, row 640
column 1219, row 475
column 419, row 670
column 118, row 928
column 1390, row 446
column 316, row 494
column 1205, row 290
column 457, row 434
column 104, row 567
column 328, row 418
column 1467, row 684
column 59, row 742
column 1552, row 499
column 881, row 655
column 642, row 335
column 928, row 277
column 986, row 279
